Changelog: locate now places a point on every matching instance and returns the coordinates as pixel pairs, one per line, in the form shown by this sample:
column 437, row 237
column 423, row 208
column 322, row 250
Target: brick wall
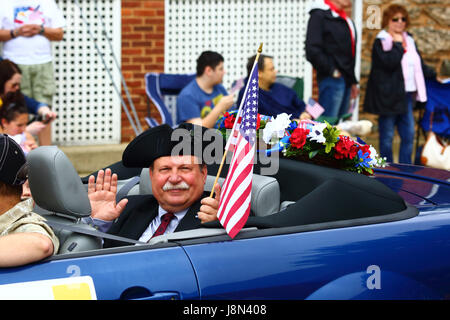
column 142, row 52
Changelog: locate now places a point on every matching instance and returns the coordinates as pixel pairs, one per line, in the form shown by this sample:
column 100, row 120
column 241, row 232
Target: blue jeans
column 334, row 96
column 405, row 128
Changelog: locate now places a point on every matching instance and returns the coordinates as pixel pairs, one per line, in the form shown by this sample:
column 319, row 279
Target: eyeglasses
column 403, row 19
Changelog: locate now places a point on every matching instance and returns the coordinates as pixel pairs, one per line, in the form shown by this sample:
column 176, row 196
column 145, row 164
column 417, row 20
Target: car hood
column 417, row 185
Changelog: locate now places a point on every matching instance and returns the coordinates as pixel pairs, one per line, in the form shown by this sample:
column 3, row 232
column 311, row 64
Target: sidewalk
column 87, row 159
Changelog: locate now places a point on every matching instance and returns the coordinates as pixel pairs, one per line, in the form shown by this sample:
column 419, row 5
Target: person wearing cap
column 177, row 181
column 24, row 235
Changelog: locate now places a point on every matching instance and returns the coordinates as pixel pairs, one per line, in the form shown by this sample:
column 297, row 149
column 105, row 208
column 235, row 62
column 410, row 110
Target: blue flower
column 363, row 159
column 292, row 126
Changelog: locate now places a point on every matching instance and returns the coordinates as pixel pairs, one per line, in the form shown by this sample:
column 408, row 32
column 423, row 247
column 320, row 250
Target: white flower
column 373, row 156
column 316, row 133
column 276, row 127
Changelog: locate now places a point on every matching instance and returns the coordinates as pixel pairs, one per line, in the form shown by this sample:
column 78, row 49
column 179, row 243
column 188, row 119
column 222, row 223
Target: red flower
column 345, row 148
column 229, row 120
column 365, row 148
column 298, row 138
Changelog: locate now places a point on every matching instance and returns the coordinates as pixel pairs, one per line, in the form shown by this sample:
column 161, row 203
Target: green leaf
column 312, row 154
column 331, row 135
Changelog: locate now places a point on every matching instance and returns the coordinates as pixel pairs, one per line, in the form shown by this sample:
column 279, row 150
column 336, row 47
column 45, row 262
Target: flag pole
column 234, row 125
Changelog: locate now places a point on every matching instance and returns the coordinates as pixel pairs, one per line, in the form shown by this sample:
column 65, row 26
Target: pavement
column 88, row 159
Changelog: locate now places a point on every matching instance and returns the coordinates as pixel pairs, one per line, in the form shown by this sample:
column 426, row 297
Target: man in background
column 331, row 47
column 205, row 99
column 274, row 98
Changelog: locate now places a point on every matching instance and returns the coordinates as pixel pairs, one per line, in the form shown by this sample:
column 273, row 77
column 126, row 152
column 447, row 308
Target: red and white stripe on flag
column 236, row 194
column 235, row 197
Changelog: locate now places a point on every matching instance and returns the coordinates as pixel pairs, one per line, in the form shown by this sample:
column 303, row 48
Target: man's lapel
column 189, row 220
column 140, row 219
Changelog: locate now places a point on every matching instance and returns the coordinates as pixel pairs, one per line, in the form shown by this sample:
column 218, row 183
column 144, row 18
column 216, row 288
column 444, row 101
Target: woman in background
column 395, row 82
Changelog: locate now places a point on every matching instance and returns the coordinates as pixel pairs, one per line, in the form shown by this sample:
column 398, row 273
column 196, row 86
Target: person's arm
column 22, row 248
column 33, row 105
column 388, row 60
column 210, row 120
column 5, row 35
column 189, row 111
column 47, row 114
column 52, row 34
column 30, row 30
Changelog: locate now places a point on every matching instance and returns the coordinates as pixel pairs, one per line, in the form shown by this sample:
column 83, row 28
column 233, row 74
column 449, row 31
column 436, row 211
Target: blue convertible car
column 314, row 233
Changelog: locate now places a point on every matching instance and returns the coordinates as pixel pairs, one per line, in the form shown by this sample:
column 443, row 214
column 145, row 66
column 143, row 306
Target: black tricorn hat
column 188, row 139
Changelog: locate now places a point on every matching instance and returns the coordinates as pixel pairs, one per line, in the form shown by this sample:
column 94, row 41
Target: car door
column 405, row 259
column 132, row 272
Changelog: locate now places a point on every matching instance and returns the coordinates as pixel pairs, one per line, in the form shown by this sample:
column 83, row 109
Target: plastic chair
column 294, row 83
column 162, row 89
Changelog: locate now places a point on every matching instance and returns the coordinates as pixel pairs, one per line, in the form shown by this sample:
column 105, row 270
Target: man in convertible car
column 177, row 186
column 24, row 236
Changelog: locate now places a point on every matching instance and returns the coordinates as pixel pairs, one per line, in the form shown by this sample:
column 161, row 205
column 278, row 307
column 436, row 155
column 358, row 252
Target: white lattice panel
column 88, row 107
column 235, row 28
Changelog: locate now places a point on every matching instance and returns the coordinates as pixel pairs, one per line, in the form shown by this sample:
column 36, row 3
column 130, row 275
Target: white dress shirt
column 154, row 224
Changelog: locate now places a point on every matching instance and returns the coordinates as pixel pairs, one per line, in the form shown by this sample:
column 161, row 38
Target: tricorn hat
column 188, row 139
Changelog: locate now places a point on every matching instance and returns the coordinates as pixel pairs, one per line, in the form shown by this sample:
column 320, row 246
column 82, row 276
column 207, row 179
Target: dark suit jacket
column 328, row 45
column 138, row 214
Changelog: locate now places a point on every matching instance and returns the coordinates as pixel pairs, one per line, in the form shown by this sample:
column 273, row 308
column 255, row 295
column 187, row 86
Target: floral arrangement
column 310, row 141
column 227, row 121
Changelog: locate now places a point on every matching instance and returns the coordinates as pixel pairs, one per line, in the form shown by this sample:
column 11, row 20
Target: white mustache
column 169, row 186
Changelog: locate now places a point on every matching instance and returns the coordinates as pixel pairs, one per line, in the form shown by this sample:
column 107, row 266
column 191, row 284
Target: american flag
column 314, row 108
column 234, row 204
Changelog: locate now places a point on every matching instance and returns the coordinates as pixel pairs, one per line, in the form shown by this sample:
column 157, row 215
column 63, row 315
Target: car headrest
column 145, row 185
column 54, row 183
column 265, row 191
column 265, row 195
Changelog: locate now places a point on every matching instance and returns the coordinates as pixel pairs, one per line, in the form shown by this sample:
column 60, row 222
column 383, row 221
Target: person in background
column 205, row 99
column 395, row 82
column 331, row 48
column 14, row 119
column 27, row 28
column 274, row 98
column 10, row 80
column 24, row 235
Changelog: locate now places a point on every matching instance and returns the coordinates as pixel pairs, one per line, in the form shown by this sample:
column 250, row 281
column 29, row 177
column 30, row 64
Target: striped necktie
column 165, row 220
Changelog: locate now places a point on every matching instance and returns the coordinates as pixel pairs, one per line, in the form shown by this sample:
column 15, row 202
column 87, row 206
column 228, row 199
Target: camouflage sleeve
column 35, row 223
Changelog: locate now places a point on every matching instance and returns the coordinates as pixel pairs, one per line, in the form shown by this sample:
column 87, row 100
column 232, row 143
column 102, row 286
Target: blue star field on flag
column 250, row 109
